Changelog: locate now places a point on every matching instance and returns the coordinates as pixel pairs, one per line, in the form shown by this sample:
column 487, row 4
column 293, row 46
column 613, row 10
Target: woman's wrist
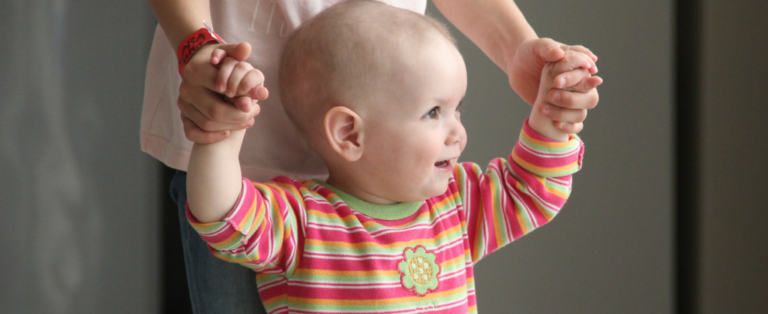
column 190, row 45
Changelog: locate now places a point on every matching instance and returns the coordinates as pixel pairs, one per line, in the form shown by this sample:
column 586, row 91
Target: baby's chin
column 417, row 193
column 421, row 196
column 436, row 191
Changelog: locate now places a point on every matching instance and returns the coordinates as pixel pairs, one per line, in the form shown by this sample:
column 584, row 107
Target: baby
column 399, row 223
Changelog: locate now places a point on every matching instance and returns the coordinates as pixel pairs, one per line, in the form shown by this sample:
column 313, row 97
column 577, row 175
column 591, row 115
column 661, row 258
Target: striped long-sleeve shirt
column 319, row 250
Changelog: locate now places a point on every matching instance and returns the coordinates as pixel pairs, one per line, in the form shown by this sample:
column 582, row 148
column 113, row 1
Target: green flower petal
column 420, row 289
column 403, row 266
column 432, row 284
column 419, row 270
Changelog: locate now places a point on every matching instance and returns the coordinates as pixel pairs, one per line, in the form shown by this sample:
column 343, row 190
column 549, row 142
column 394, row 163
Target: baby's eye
column 433, row 113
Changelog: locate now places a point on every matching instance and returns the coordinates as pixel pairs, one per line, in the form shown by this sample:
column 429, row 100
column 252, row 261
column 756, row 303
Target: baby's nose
column 456, row 134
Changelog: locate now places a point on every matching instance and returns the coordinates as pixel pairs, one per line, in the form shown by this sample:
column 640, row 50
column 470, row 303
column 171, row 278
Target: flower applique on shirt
column 418, row 270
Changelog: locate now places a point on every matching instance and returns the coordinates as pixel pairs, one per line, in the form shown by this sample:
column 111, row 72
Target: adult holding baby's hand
column 500, row 30
column 273, row 146
column 515, row 49
column 208, row 115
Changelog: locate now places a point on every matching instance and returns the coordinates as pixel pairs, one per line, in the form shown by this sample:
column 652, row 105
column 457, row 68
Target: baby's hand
column 566, row 91
column 207, row 118
column 238, row 80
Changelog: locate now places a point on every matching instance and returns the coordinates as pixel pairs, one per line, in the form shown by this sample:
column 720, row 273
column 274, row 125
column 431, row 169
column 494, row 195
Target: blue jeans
column 215, row 286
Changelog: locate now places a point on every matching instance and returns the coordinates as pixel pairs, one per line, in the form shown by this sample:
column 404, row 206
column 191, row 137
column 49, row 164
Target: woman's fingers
column 560, row 114
column 570, row 128
column 573, row 99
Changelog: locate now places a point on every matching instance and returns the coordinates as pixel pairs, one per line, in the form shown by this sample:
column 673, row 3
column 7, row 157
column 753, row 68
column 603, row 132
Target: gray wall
column 79, row 199
column 733, row 250
column 610, row 250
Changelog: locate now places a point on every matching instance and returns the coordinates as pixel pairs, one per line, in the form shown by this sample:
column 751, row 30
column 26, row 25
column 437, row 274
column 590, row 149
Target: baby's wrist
column 229, row 145
column 545, row 126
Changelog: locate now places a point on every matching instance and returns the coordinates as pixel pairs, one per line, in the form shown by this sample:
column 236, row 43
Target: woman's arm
column 203, row 112
column 497, row 27
column 179, row 18
column 501, row 31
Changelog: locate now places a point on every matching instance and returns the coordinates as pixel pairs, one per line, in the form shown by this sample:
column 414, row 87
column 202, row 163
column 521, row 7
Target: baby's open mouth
column 442, row 164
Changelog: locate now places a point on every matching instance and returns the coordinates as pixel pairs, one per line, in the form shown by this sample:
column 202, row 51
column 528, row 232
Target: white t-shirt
column 273, row 146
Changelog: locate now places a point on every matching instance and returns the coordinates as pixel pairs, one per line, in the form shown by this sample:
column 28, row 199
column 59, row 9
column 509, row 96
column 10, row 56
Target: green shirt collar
column 385, row 212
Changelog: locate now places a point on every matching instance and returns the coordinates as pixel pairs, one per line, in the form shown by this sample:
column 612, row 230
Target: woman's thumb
column 240, row 51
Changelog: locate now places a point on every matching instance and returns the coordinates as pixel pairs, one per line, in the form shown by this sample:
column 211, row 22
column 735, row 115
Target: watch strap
column 192, row 43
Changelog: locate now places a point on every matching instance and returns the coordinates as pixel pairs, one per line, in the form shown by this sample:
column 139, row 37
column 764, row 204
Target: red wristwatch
column 192, row 43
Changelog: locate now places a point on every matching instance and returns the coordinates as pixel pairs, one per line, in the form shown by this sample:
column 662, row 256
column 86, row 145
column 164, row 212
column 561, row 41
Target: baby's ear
column 344, row 131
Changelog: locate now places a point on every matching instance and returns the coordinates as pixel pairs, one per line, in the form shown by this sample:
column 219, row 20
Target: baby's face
column 414, row 134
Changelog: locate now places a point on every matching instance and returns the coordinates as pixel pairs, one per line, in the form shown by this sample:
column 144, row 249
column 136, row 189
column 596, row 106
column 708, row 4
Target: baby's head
column 375, row 89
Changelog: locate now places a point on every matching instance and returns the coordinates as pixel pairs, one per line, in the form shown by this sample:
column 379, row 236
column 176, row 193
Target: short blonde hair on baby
column 342, row 54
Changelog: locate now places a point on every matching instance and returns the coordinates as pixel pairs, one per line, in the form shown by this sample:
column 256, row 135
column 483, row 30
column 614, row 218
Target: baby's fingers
column 569, row 78
column 225, row 71
column 582, row 95
column 586, row 85
column 259, row 93
column 585, row 50
column 252, row 79
column 572, row 61
column 236, row 78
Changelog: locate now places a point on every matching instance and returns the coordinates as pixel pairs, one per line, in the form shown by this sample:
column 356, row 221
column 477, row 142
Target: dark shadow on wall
column 687, row 134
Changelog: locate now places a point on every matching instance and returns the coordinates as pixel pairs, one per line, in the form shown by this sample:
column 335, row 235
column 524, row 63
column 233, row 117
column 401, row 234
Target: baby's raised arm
column 565, row 72
column 214, row 176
